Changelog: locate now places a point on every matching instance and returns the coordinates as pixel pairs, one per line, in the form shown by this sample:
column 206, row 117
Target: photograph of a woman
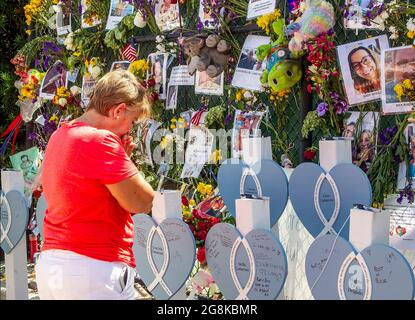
column 360, row 67
column 158, row 72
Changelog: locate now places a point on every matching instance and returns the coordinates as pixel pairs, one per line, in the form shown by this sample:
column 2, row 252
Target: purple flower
column 386, row 136
column 322, row 108
column 80, row 9
column 199, row 25
column 228, row 118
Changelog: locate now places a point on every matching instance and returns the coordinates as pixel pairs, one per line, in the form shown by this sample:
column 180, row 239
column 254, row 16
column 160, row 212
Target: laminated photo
column 179, row 76
column 63, row 22
column 406, row 175
column 123, row 65
column 171, row 100
column 54, row 78
column 205, row 14
column 358, row 9
column 361, row 127
column 249, row 68
column 85, row 23
column 118, row 10
column 207, row 85
column 158, row 72
column 257, row 8
column 361, row 68
column 245, row 124
column 167, row 15
column 398, row 65
column 88, row 86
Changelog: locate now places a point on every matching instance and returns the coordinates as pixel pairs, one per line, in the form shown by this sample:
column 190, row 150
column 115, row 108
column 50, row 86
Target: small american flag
column 130, row 52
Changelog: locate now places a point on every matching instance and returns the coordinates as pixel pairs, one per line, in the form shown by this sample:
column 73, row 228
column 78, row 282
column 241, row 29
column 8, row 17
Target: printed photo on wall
column 171, row 100
column 167, row 15
column 361, row 127
column 358, row 13
column 118, row 10
column 158, row 72
column 361, row 68
column 63, row 21
column 27, row 161
column 258, row 8
column 207, row 85
column 88, row 85
column 407, row 175
column 205, row 14
column 249, row 68
column 89, row 19
column 54, row 78
column 124, row 65
column 398, row 75
column 246, row 123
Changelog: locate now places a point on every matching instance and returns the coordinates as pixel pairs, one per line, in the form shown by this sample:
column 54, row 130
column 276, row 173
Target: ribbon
column 328, row 225
column 4, row 231
column 243, row 292
column 197, row 116
column 158, row 275
column 12, row 131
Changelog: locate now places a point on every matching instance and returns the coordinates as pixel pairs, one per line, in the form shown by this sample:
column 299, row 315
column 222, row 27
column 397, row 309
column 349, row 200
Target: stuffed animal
column 210, row 55
column 282, row 71
column 317, row 18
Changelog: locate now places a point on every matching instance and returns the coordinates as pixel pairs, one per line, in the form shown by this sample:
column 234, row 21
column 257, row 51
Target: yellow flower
column 238, row 96
column 204, row 189
column 27, row 92
column 62, row 92
column 77, row 53
column 174, row 120
column 55, row 1
column 54, row 118
column 173, row 126
column 192, row 203
column 215, row 157
column 28, row 31
column 266, row 20
column 163, row 143
column 411, row 34
column 408, row 84
column 399, row 90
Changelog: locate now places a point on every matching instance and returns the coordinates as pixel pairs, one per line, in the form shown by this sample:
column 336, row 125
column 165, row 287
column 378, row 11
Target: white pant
column 66, row 275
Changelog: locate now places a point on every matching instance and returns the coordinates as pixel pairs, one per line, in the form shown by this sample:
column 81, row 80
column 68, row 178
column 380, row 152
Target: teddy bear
column 317, row 18
column 210, row 55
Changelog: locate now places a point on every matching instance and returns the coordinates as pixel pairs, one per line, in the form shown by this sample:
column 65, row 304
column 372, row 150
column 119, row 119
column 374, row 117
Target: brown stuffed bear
column 210, row 55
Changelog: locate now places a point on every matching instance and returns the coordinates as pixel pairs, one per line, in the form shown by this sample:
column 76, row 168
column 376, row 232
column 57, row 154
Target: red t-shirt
column 82, row 216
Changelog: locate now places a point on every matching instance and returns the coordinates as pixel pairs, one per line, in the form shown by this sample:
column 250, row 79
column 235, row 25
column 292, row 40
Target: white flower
column 18, row 85
column 160, row 48
column 410, row 25
column 384, row 15
column 159, row 38
column 95, row 72
column 75, row 90
column 394, row 36
column 248, row 95
column 62, row 102
column 139, row 20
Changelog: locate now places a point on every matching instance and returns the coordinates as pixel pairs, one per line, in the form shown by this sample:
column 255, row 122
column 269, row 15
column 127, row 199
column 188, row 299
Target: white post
column 166, row 204
column 252, row 214
column 334, row 152
column 16, row 260
column 256, row 149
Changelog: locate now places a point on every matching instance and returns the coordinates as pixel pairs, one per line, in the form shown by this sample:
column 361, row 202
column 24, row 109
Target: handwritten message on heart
column 322, row 200
column 165, row 254
column 252, row 267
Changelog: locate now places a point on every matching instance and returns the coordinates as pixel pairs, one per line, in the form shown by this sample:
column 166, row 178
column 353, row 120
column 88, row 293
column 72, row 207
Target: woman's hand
column 127, row 143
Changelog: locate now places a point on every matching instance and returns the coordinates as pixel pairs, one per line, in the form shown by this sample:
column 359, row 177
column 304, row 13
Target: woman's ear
column 116, row 111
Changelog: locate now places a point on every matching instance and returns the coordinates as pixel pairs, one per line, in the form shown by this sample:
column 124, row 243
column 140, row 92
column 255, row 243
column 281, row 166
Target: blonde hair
column 117, row 87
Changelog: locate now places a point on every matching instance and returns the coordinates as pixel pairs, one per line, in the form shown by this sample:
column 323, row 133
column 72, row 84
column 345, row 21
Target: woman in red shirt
column 91, row 187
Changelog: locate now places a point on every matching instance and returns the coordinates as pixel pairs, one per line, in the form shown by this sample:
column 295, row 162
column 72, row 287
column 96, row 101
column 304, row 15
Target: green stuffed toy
column 282, row 71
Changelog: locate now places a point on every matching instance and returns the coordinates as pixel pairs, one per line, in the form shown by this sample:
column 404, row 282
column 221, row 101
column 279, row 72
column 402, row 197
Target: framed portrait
column 358, row 10
column 118, row 10
column 249, row 69
column 361, row 127
column 207, row 85
column 124, row 65
column 63, row 21
column 167, row 15
column 403, row 170
column 55, row 77
column 398, row 65
column 361, row 68
column 171, row 100
column 246, row 123
column 88, row 86
column 158, row 71
column 85, row 23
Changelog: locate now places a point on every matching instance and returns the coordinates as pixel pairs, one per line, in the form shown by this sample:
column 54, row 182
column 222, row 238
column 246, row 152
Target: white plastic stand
column 16, row 260
column 252, row 214
column 334, row 152
column 368, row 227
column 167, row 204
column 256, row 149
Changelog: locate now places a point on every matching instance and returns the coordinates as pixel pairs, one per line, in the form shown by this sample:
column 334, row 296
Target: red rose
column 309, row 154
column 37, row 194
column 309, row 88
column 214, row 221
column 201, row 235
column 185, row 202
column 151, row 83
column 201, row 255
column 70, row 99
column 202, row 225
column 154, row 96
column 144, row 84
